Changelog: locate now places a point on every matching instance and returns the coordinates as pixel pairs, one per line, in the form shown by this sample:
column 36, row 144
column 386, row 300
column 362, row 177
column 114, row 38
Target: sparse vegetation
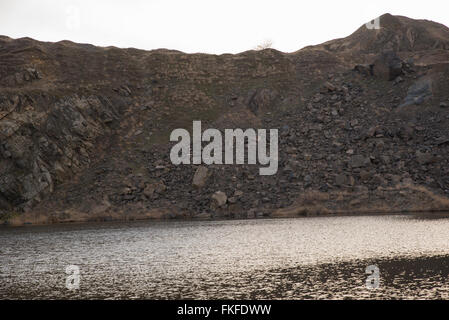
column 266, row 44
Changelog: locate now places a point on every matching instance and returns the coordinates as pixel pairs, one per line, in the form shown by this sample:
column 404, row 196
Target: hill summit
column 396, row 33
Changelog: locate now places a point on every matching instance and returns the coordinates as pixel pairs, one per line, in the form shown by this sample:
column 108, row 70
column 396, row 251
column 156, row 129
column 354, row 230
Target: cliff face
column 84, row 130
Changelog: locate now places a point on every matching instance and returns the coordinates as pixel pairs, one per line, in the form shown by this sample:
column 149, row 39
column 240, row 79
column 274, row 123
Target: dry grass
column 130, row 213
column 437, row 203
column 399, row 199
column 402, row 198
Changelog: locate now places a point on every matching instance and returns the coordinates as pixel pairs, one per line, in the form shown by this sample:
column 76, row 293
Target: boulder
column 232, row 200
column 200, row 177
column 203, row 215
column 328, row 87
column 341, row 180
column 251, row 214
column 387, row 66
column 364, row 69
column 359, row 161
column 423, row 158
column 154, row 188
column 219, row 199
column 238, row 194
column 261, row 100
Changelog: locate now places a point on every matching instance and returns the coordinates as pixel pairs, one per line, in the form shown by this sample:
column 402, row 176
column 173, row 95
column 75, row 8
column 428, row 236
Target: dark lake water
column 305, row 258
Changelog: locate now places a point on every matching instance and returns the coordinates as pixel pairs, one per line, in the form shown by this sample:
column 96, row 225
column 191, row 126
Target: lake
column 304, row 258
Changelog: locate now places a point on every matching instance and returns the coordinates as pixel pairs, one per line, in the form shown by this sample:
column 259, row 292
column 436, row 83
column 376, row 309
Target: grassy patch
column 6, row 216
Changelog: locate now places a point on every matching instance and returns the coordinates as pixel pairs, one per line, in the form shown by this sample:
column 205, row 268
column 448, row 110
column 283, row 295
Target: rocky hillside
column 84, row 130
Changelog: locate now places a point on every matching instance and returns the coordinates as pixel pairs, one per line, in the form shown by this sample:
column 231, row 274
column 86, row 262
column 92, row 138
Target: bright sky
column 209, row 26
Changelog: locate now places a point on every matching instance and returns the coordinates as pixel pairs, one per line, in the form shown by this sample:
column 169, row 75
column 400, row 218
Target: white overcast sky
column 210, row 26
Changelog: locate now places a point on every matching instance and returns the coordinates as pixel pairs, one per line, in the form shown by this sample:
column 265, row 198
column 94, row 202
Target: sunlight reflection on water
column 273, row 258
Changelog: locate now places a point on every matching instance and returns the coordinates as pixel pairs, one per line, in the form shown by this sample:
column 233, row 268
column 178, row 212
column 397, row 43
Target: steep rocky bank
column 84, row 130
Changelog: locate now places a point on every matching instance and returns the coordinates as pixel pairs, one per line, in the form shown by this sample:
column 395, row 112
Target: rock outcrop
column 84, row 130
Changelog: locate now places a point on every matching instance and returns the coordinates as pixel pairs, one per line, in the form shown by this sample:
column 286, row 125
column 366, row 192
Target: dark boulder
column 387, row 66
column 364, row 69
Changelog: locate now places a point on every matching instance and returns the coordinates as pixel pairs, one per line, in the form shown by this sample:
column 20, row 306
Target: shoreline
column 432, row 214
column 401, row 199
